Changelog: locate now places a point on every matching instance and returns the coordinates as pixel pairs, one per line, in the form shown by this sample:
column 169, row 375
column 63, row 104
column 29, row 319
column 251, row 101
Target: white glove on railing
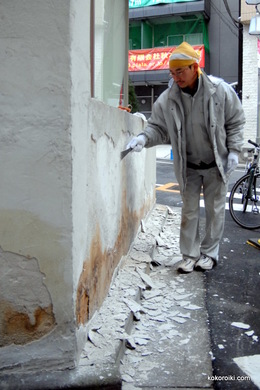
column 137, row 143
column 232, row 162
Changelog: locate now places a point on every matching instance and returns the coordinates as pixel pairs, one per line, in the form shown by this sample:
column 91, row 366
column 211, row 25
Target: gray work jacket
column 224, row 119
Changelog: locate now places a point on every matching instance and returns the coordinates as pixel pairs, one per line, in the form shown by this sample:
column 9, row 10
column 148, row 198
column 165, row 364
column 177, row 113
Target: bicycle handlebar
column 253, row 143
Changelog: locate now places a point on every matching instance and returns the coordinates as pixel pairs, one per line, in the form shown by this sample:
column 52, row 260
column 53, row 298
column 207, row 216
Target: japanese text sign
column 156, row 58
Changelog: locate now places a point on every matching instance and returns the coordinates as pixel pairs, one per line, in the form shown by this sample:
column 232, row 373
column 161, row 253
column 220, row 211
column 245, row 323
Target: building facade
column 251, row 65
column 209, row 25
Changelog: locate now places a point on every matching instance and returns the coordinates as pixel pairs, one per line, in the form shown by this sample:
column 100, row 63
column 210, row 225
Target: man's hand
column 232, row 162
column 137, row 143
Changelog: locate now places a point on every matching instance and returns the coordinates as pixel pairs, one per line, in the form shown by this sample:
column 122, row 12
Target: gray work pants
column 214, row 191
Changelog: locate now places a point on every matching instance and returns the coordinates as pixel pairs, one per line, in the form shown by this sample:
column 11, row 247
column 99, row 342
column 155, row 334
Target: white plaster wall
column 80, row 96
column 36, row 173
column 250, row 85
column 64, row 191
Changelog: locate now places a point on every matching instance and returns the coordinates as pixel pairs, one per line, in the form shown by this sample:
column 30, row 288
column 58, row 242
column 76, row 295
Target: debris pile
column 107, row 330
column 150, row 311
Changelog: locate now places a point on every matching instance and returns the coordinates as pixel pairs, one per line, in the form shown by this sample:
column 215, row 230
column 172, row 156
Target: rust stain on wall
column 98, row 268
column 26, row 309
column 17, row 327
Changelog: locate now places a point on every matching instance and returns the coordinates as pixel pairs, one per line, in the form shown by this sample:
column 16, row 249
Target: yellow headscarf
column 184, row 55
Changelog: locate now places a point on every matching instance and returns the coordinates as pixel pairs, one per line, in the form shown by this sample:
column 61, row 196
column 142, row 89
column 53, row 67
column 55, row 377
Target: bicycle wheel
column 245, row 211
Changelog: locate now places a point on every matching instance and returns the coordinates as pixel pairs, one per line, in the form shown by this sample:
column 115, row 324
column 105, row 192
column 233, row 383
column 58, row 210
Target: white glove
column 137, row 143
column 232, row 162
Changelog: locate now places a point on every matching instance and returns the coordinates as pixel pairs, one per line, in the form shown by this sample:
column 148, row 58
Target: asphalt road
column 232, row 290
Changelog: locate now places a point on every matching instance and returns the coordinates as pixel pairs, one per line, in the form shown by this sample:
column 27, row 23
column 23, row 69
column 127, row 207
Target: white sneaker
column 204, row 263
column 187, row 265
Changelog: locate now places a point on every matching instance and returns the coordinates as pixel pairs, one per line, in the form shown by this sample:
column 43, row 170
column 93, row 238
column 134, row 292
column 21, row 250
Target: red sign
column 156, row 58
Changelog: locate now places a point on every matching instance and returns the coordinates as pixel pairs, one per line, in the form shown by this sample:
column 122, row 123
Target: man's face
column 185, row 76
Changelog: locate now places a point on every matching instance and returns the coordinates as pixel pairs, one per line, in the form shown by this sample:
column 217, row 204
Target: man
column 202, row 118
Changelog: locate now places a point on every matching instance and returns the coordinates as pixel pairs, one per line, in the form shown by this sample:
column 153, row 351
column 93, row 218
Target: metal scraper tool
column 125, row 152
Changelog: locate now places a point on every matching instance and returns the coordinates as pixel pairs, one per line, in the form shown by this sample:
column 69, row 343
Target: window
column 192, row 39
column 109, row 50
column 175, row 40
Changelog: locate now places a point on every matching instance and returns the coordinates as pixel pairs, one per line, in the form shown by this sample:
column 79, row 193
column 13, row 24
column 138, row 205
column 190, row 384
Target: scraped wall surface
column 69, row 207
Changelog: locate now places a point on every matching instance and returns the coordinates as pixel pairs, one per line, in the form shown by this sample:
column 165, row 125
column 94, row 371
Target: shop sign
column 156, row 58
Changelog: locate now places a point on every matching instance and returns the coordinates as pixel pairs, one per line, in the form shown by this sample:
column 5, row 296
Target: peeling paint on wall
column 26, row 312
column 98, row 268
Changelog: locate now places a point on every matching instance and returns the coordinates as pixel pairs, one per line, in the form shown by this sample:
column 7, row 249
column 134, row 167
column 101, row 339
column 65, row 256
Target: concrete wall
column 250, row 84
column 69, row 207
column 226, row 66
column 223, row 40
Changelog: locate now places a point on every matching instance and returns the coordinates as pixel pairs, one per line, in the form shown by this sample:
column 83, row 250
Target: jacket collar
column 210, row 84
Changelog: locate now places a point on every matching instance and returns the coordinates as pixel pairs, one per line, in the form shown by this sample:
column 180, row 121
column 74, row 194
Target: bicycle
column 244, row 202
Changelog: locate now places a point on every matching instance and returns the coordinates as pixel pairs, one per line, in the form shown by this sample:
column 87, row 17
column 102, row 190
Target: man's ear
column 196, row 66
